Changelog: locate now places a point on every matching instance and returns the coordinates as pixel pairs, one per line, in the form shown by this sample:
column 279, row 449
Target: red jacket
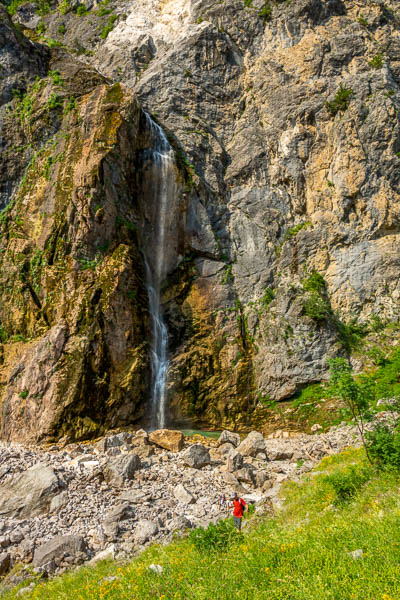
column 238, row 507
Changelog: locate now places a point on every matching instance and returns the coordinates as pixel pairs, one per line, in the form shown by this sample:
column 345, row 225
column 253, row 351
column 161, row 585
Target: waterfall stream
column 160, row 184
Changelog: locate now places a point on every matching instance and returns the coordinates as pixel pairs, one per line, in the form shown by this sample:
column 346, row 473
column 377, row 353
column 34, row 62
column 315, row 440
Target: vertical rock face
column 284, row 119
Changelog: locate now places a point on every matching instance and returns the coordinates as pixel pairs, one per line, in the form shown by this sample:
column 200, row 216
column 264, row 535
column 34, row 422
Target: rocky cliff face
column 284, row 118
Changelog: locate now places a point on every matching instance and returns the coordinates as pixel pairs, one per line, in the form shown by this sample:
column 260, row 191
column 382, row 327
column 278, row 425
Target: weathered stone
column 58, row 501
column 121, row 468
column 244, row 475
column 5, row 562
column 196, row 456
column 29, row 493
column 179, row 523
column 106, row 554
column 229, row 437
column 234, row 461
column 55, row 549
column 225, row 449
column 252, row 444
column 121, row 512
column 145, row 530
column 167, row 438
column 182, row 495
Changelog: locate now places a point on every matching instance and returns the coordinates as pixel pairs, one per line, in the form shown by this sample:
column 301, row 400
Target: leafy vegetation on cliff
column 336, row 537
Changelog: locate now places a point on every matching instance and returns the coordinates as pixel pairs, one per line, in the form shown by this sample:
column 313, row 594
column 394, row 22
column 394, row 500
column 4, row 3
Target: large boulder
column 229, row 437
column 182, row 495
column 121, row 512
column 253, row 444
column 234, row 461
column 50, row 554
column 196, row 456
column 169, row 439
column 120, row 469
column 145, row 530
column 5, row 562
column 28, row 494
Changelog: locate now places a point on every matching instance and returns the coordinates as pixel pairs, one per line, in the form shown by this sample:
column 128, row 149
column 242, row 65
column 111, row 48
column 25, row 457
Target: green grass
column 303, row 553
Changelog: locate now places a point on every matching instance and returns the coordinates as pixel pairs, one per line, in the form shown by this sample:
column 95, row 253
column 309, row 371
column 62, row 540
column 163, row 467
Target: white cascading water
column 160, row 184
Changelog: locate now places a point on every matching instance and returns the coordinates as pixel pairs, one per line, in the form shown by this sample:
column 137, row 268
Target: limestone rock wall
column 285, row 121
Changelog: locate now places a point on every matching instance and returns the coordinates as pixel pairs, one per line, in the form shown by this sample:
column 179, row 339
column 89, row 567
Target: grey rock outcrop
column 229, row 437
column 30, row 493
column 196, row 456
column 145, row 530
column 121, row 468
column 252, row 444
column 50, row 554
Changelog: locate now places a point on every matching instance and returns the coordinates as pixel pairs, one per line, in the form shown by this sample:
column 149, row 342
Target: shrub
column 24, row 394
column 3, row 334
column 81, row 10
column 347, row 482
column 314, row 283
column 64, row 7
column 267, row 298
column 54, row 102
column 376, row 62
column 266, row 11
column 41, row 27
column 61, row 29
column 109, row 27
column 351, row 333
column 216, row 538
column 316, row 307
column 384, row 446
column 341, row 101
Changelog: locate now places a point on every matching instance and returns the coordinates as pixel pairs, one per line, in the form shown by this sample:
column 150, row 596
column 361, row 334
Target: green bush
column 384, row 446
column 41, row 27
column 81, row 10
column 351, row 333
column 267, row 298
column 266, row 11
column 109, row 27
column 54, row 102
column 348, row 482
column 216, row 538
column 341, row 101
column 314, row 283
column 376, row 62
column 61, row 29
column 316, row 307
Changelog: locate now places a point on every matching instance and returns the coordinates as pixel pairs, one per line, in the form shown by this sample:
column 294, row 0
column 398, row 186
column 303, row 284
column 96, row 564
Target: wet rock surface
column 87, row 517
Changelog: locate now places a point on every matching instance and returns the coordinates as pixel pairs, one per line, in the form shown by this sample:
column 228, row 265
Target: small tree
column 357, row 395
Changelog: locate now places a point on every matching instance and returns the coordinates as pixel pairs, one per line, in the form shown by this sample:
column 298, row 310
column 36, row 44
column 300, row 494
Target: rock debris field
column 60, row 507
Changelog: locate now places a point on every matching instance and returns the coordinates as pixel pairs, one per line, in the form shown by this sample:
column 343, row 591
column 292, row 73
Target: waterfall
column 159, row 182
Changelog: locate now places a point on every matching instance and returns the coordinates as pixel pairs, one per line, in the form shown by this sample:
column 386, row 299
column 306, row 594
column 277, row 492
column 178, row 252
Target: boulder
column 261, row 478
column 279, row 454
column 55, row 550
column 120, row 469
column 182, row 495
column 144, row 450
column 5, row 562
column 28, row 494
column 105, row 554
column 121, row 512
column 253, row 444
column 58, row 501
column 233, row 483
column 234, row 461
column 244, row 475
column 141, row 438
column 169, row 439
column 226, row 449
column 145, row 530
column 230, row 438
column 179, row 523
column 196, row 456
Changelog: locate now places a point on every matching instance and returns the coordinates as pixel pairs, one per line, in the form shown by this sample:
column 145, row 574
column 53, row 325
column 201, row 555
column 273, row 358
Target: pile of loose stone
column 64, row 506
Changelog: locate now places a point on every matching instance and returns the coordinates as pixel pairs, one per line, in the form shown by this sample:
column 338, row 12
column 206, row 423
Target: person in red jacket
column 239, row 506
